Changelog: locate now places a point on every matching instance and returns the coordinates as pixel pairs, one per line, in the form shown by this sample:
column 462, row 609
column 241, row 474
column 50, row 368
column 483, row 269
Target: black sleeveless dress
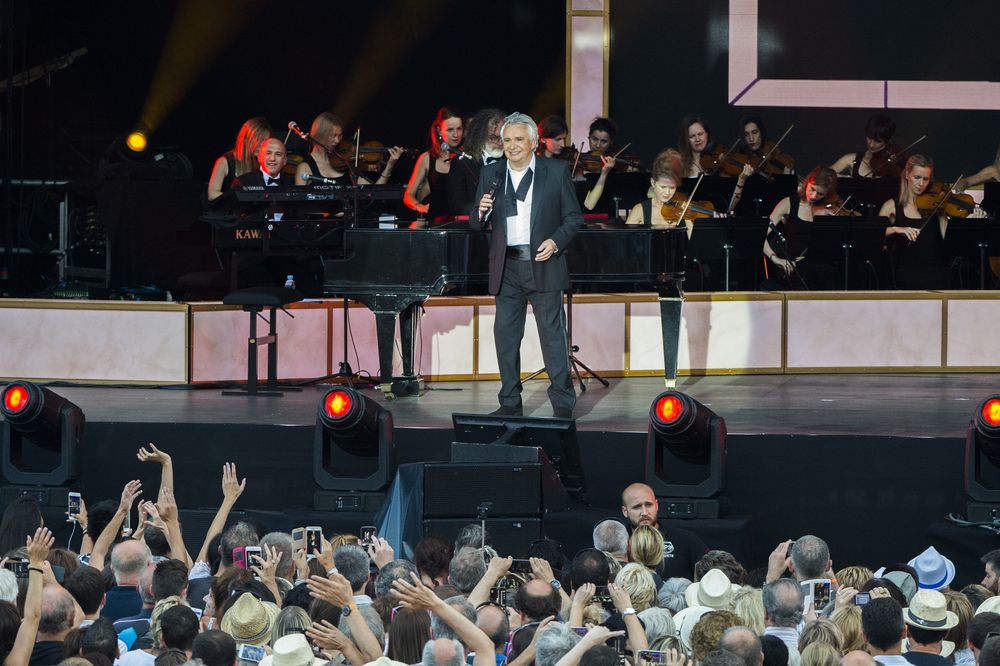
column 438, row 204
column 919, row 264
column 343, row 179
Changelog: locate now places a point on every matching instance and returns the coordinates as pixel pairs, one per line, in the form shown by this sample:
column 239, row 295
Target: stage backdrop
column 673, row 58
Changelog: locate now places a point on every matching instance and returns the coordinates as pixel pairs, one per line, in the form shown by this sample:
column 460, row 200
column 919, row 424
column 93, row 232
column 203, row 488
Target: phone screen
column 73, row 504
column 251, row 652
column 314, row 540
column 651, row 658
column 522, row 567
column 368, row 533
column 19, row 567
column 248, row 556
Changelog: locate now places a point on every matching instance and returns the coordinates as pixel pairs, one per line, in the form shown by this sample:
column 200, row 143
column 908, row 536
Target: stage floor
column 924, row 405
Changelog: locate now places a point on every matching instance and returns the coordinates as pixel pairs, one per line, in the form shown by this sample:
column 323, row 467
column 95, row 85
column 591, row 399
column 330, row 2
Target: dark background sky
column 387, row 64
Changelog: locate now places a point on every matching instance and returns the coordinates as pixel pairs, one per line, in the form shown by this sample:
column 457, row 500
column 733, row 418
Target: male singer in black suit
column 272, row 158
column 530, row 203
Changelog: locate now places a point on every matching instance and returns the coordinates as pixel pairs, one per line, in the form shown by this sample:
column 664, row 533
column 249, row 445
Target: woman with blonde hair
column 748, row 603
column 960, row 605
column 848, row 620
column 638, row 582
column 820, row 654
column 822, row 630
column 241, row 159
column 854, row 577
column 291, row 619
column 645, row 547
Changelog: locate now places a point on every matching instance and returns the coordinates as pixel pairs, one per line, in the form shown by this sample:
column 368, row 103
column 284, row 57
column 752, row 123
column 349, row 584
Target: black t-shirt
column 47, row 653
column 682, row 549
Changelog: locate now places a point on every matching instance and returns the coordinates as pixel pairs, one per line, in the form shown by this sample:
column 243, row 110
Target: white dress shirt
column 519, row 226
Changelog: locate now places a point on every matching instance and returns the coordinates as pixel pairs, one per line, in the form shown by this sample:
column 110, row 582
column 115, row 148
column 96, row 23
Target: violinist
column 915, row 242
column 482, row 146
column 754, row 144
column 242, row 159
column 326, row 133
column 881, row 156
column 601, row 137
column 783, row 246
column 552, row 135
column 427, row 191
column 663, row 178
column 694, row 141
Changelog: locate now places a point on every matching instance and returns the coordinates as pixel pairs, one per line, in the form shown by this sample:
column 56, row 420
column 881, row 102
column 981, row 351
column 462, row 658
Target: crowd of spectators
column 646, row 593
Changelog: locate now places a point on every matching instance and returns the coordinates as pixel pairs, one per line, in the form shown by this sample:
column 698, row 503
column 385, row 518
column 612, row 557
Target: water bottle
column 290, row 282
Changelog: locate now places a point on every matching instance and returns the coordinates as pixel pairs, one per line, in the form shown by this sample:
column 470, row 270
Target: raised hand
column 380, row 552
column 231, row 487
column 153, row 454
column 39, row 546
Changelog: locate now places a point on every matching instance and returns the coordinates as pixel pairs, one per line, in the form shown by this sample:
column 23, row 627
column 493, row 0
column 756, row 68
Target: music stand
column 976, row 239
column 711, row 243
column 844, row 242
column 867, row 194
column 760, row 195
column 621, row 191
column 991, row 198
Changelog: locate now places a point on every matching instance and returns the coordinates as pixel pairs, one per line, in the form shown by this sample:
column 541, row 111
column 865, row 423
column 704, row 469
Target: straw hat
column 934, row 570
column 685, row 621
column 929, row 610
column 291, row 650
column 250, row 620
column 713, row 590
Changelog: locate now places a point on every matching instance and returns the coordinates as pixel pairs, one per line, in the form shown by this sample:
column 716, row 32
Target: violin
column 370, row 156
column 939, row 198
column 834, row 205
column 591, row 162
column 889, row 161
column 696, row 210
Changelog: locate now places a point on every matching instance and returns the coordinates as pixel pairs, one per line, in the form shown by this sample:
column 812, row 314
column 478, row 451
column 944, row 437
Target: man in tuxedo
column 272, row 158
column 531, row 206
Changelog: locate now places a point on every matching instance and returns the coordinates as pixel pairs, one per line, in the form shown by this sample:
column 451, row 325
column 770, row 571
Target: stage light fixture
column 40, row 435
column 136, row 141
column 685, row 456
column 353, row 445
column 982, row 463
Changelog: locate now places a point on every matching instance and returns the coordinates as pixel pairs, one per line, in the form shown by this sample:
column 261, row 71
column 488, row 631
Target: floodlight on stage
column 136, row 142
column 982, row 462
column 353, row 442
column 40, row 435
column 686, row 456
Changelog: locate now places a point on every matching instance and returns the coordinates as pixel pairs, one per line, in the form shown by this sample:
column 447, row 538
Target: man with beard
column 681, row 548
column 482, row 146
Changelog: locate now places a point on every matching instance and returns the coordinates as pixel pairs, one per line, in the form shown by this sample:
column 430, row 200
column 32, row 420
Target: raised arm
column 497, row 569
column 415, row 594
column 336, row 590
column 417, row 188
column 131, row 490
column 167, row 508
column 24, row 643
column 219, row 173
column 231, row 491
column 154, row 455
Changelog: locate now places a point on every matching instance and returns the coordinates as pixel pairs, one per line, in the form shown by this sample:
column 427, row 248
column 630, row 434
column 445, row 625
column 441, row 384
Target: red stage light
column 991, row 412
column 337, row 404
column 15, row 398
column 669, row 408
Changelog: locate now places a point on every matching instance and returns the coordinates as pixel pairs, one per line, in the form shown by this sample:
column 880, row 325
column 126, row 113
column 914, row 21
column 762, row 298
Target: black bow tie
column 519, row 195
column 269, row 180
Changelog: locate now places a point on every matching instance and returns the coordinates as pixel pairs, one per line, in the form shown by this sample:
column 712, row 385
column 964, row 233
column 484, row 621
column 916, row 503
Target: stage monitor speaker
column 457, row 489
column 509, row 536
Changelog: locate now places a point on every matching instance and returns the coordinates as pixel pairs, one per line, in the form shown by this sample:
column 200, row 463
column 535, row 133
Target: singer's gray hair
column 518, row 118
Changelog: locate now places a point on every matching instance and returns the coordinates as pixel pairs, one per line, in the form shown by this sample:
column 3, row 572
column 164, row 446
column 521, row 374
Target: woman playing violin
column 782, row 245
column 601, row 137
column 695, row 140
column 242, row 159
column 664, row 177
column 326, row 133
column 428, row 182
column 879, row 159
column 915, row 243
column 987, row 173
column 754, row 144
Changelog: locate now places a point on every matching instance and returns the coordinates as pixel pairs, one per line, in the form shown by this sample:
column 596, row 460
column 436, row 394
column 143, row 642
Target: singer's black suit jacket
column 555, row 214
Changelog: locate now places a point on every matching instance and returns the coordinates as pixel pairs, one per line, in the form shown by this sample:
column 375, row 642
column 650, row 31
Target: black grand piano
column 391, row 271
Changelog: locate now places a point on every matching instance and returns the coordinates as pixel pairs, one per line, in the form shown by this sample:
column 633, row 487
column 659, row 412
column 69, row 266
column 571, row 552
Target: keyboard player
column 272, row 158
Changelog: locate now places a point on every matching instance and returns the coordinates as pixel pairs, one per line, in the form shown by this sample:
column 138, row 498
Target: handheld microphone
column 494, row 186
column 309, row 178
column 295, row 128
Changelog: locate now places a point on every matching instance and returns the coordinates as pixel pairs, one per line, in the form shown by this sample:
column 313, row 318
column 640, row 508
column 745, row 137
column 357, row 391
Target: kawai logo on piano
column 250, row 234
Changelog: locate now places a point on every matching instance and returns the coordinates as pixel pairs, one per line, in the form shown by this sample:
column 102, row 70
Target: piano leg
column 407, row 338
column 670, row 322
column 385, row 332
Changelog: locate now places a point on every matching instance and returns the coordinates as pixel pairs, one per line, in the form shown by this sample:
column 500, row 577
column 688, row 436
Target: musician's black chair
column 254, row 300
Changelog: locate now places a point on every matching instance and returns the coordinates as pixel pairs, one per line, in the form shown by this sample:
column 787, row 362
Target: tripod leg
column 580, row 364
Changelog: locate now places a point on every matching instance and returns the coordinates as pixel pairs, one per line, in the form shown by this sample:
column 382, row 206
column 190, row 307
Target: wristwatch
column 628, row 611
column 556, row 585
column 347, row 610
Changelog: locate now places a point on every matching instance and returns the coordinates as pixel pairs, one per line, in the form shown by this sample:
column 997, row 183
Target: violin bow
column 577, row 160
column 899, row 152
column 774, row 148
column 843, row 204
column 722, row 158
column 687, row 204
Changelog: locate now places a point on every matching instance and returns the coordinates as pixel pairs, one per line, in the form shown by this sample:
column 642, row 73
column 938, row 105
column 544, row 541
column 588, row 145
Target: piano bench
column 254, row 300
